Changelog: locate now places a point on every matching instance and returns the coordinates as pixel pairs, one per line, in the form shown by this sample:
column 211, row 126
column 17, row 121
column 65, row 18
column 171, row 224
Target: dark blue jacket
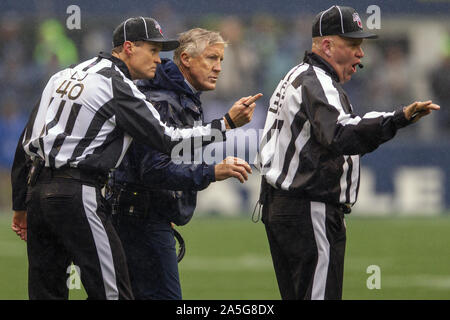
column 172, row 187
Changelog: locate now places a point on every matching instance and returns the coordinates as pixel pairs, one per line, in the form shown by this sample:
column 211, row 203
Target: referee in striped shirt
column 85, row 120
column 309, row 157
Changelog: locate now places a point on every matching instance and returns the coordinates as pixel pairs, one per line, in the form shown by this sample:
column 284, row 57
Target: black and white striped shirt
column 87, row 116
column 312, row 140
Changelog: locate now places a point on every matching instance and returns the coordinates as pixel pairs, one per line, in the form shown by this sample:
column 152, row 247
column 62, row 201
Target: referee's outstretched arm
column 348, row 134
column 140, row 119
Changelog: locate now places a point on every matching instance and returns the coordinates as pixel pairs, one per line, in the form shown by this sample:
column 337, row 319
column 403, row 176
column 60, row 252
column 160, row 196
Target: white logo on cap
column 357, row 19
column 157, row 26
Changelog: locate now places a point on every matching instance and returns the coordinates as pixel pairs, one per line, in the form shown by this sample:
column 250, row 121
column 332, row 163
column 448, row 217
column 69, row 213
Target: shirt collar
column 118, row 62
column 318, row 61
column 191, row 86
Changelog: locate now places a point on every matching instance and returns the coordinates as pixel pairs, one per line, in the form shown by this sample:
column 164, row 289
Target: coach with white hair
column 149, row 190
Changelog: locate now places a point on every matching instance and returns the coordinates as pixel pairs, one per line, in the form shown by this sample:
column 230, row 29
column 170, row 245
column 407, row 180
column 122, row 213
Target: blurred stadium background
column 401, row 220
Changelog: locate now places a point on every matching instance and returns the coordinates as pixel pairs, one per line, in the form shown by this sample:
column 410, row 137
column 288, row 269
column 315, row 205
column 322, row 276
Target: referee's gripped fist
column 419, row 109
column 232, row 167
column 241, row 112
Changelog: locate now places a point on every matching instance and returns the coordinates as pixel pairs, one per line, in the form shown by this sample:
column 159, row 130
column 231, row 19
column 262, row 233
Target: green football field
column 228, row 258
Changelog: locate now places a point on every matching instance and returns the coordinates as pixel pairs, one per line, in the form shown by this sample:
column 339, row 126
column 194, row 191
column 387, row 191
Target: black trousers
column 69, row 221
column 307, row 243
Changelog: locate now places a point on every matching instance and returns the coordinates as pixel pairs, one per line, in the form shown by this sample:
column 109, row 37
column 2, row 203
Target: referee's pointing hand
column 419, row 109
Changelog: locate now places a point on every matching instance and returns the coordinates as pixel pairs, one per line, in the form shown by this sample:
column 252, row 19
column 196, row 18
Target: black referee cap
column 341, row 21
column 142, row 29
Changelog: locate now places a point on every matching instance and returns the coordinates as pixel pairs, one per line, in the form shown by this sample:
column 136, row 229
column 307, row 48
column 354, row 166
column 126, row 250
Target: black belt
column 73, row 174
column 346, row 208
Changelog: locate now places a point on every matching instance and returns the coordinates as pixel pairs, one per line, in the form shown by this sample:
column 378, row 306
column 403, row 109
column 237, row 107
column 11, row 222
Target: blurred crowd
column 261, row 49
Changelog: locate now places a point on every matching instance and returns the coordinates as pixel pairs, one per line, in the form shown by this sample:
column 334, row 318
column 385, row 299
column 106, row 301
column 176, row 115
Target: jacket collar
column 316, row 60
column 169, row 77
column 119, row 63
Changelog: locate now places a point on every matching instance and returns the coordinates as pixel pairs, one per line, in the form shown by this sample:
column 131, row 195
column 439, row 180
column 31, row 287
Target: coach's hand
column 19, row 224
column 232, row 167
column 419, row 109
column 242, row 111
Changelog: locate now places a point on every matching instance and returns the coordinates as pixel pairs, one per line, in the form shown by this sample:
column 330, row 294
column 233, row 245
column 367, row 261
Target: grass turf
column 228, row 258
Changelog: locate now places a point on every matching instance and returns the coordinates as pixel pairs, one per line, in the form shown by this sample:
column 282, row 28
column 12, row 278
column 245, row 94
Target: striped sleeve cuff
column 219, row 124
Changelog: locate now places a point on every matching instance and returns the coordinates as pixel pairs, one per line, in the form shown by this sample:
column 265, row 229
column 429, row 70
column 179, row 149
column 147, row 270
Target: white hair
column 194, row 41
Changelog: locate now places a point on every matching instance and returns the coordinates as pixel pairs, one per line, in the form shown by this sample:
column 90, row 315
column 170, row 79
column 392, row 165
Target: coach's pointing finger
column 241, row 112
column 253, row 99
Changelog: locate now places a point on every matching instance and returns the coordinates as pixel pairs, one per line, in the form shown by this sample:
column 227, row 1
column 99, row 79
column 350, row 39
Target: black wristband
column 230, row 122
column 400, row 120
